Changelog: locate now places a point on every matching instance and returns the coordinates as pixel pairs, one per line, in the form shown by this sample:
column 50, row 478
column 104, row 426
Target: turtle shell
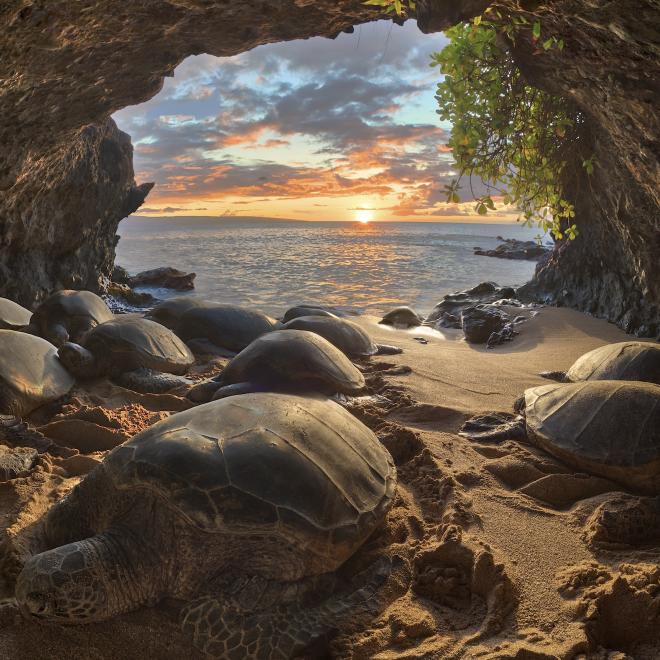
column 229, row 326
column 12, row 315
column 76, row 311
column 30, row 373
column 125, row 344
column 295, row 357
column 404, row 316
column 169, row 312
column 306, row 310
column 347, row 336
column 607, row 428
column 298, row 472
column 626, row 360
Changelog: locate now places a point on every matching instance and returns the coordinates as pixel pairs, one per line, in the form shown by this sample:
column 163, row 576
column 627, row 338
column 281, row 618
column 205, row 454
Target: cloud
column 316, row 120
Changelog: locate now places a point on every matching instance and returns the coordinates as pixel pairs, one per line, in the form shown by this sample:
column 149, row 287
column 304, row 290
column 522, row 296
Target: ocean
column 271, row 265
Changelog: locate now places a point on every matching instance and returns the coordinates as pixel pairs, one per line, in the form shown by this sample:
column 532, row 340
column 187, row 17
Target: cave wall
column 66, row 176
column 610, row 69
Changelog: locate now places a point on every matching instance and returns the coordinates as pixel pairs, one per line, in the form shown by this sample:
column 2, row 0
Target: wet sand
column 512, row 554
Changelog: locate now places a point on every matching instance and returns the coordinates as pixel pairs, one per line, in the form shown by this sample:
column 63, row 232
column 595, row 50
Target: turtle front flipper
column 386, row 349
column 234, row 389
column 222, row 630
column 559, row 376
column 150, row 381
column 494, row 427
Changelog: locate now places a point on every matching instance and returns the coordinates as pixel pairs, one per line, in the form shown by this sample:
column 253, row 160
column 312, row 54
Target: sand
column 511, row 554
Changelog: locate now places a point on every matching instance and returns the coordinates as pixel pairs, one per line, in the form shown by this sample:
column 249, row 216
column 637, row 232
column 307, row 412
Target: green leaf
column 536, row 29
column 547, row 44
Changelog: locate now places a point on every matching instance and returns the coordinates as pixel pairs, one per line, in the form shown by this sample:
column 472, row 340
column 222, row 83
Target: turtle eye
column 36, row 603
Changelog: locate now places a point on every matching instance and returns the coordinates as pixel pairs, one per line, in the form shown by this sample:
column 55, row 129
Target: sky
column 315, row 129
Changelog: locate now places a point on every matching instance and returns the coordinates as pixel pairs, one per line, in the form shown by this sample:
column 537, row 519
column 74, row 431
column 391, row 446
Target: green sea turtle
column 402, row 316
column 170, row 311
column 244, row 507
column 306, row 310
column 626, row 360
column 13, row 316
column 30, row 374
column 291, row 360
column 347, row 336
column 229, row 327
column 609, row 428
column 139, row 354
column 68, row 315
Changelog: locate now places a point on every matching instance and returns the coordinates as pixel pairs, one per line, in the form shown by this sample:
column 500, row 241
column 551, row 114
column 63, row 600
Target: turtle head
column 57, row 334
column 64, row 585
column 77, row 360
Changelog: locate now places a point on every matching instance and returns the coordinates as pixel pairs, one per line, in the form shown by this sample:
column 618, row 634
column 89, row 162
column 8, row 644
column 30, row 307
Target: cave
column 66, row 172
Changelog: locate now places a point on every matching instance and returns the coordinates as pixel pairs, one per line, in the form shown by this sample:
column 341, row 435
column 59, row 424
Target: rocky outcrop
column 165, row 277
column 511, row 248
column 609, row 69
column 65, row 170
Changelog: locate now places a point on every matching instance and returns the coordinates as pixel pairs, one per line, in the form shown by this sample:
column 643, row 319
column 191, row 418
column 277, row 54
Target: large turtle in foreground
column 347, row 336
column 13, row 316
column 626, row 360
column 284, row 360
column 68, row 315
column 229, row 327
column 30, row 374
column 607, row 428
column 137, row 353
column 239, row 507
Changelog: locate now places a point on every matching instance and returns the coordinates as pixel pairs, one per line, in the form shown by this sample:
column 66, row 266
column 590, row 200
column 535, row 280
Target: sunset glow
column 321, row 129
column 364, row 216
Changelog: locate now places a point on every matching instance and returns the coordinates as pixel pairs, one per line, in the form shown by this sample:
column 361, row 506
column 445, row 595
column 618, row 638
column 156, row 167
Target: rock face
column 66, row 176
column 609, row 69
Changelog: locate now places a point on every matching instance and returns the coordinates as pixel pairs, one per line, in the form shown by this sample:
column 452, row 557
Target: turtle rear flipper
column 150, row 381
column 494, row 427
column 385, row 349
column 559, row 376
column 222, row 630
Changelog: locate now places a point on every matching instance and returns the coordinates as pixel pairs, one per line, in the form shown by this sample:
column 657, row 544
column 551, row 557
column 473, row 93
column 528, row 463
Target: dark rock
column 515, row 249
column 120, row 275
column 447, row 312
column 165, row 277
column 482, row 321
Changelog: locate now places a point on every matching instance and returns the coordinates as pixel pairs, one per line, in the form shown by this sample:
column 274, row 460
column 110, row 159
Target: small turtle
column 306, row 310
column 245, row 508
column 68, row 315
column 30, row 374
column 347, row 336
column 169, row 312
column 608, row 428
column 137, row 353
column 295, row 360
column 626, row 360
column 402, row 316
column 230, row 327
column 13, row 316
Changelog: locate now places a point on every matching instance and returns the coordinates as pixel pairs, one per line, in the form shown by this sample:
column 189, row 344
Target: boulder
column 165, row 277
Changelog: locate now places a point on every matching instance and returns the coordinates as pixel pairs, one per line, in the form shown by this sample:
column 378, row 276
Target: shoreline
column 515, row 541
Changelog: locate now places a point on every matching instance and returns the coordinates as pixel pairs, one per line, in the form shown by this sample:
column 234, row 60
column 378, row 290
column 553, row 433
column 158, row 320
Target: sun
column 364, row 216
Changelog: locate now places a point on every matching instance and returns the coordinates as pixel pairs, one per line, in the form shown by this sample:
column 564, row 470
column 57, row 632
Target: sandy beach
column 510, row 553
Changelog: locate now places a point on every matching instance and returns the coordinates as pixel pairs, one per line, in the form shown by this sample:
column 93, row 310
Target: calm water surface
column 272, row 265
